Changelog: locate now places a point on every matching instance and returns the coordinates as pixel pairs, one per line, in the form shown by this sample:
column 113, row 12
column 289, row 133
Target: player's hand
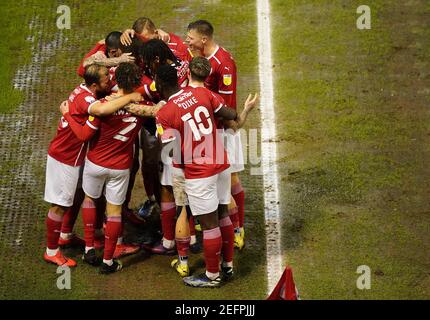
column 250, row 102
column 126, row 57
column 64, row 107
column 163, row 35
column 102, row 41
column 126, row 37
column 135, row 97
column 161, row 104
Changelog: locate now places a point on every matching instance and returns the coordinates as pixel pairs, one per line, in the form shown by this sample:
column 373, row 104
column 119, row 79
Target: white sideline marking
column 268, row 147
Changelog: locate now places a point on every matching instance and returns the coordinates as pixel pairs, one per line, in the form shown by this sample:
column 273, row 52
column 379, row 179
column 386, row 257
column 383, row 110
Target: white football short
column 234, row 151
column 179, row 193
column 95, row 177
column 205, row 194
column 166, row 174
column 61, row 182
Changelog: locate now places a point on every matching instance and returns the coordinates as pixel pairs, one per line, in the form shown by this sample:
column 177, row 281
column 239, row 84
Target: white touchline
column 268, row 147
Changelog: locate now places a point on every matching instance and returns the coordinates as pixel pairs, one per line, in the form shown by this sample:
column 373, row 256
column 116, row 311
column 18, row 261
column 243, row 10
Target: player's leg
column 239, row 197
column 115, row 193
column 94, row 178
column 182, row 239
column 226, row 226
column 60, row 187
column 112, row 233
column 67, row 236
column 203, row 199
column 134, row 170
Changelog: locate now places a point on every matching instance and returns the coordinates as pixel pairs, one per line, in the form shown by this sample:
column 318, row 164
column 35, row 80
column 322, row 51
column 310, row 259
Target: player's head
column 166, row 80
column 155, row 53
column 200, row 68
column 128, row 76
column 199, row 33
column 97, row 79
column 135, row 48
column 113, row 44
column 145, row 29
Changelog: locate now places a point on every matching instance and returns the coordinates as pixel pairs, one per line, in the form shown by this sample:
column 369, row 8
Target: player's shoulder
column 82, row 94
column 224, row 56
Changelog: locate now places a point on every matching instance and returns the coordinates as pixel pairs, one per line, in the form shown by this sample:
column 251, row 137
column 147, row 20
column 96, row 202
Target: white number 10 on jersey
column 198, row 127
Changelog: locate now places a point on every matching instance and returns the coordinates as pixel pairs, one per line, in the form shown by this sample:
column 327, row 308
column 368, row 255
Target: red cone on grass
column 286, row 288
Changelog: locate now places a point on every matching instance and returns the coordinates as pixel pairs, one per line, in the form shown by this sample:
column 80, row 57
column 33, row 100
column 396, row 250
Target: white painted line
column 268, row 147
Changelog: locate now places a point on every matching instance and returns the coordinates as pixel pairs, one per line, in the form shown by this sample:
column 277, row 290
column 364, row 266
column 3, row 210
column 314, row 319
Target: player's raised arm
column 248, row 106
column 106, row 108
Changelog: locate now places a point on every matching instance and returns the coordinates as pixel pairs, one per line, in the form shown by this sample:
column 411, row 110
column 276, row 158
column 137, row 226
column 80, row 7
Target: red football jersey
column 190, row 113
column 177, row 45
column 223, row 76
column 113, row 145
column 97, row 48
column 66, row 147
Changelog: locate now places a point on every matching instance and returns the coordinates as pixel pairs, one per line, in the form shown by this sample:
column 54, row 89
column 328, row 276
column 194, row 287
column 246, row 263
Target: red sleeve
column 227, row 83
column 217, row 101
column 83, row 102
column 83, row 132
column 97, row 48
column 164, row 127
column 177, row 43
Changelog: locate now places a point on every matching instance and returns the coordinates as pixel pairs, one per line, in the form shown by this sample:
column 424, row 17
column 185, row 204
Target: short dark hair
column 135, row 48
column 203, row 27
column 92, row 74
column 143, row 23
column 113, row 40
column 200, row 68
column 128, row 76
column 167, row 76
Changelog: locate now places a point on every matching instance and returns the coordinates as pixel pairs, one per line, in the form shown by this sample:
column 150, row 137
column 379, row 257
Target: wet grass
column 353, row 131
column 23, row 273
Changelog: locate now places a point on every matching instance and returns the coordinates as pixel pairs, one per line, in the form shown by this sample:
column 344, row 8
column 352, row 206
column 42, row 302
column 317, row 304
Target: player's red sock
column 212, row 244
column 192, row 226
column 168, row 222
column 69, row 220
column 227, row 232
column 112, row 232
column 53, row 229
column 183, row 246
column 239, row 196
column 89, row 216
column 235, row 220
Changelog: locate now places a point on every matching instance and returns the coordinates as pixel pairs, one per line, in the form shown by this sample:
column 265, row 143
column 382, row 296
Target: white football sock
column 211, row 275
column 108, row 262
column 51, row 252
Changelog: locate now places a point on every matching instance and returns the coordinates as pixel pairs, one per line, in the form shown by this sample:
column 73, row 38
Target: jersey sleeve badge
column 227, row 79
column 152, row 86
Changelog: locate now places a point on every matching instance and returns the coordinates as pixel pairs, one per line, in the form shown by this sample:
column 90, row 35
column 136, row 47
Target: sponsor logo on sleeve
column 227, row 79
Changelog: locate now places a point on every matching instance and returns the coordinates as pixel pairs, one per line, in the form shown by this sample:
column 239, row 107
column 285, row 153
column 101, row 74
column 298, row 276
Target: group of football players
column 175, row 101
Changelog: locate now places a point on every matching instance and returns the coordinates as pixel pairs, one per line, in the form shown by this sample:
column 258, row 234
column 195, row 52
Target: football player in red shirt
column 155, row 53
column 189, row 116
column 106, row 52
column 222, row 80
column 67, row 152
column 200, row 69
column 145, row 29
column 109, row 160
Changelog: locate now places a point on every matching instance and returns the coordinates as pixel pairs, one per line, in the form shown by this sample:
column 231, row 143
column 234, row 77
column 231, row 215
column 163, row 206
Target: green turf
column 353, row 131
column 23, row 273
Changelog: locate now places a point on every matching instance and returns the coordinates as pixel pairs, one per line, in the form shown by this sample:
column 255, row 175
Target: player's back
column 113, row 146
column 192, row 113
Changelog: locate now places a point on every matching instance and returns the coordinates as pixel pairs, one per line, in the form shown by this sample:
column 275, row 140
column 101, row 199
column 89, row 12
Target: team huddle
column 174, row 101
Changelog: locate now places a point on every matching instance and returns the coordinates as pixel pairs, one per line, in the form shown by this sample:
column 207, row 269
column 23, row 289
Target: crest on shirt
column 91, row 118
column 227, row 78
